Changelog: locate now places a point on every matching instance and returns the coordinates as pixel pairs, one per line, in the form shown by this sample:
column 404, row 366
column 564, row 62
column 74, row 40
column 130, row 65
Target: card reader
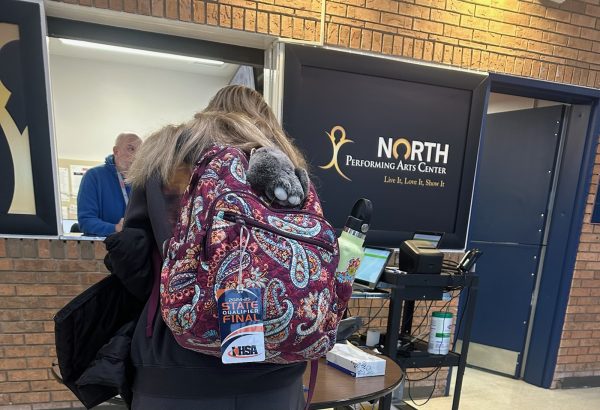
column 418, row 256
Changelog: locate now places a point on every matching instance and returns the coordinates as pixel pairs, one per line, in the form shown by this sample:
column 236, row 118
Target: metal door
column 510, row 207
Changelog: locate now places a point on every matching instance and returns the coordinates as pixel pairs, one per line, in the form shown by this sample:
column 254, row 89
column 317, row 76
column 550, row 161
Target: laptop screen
column 372, row 266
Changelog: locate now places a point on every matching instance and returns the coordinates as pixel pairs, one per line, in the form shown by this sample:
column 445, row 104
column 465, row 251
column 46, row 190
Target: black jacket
column 93, row 332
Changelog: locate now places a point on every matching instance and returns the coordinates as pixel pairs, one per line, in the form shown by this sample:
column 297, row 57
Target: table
column 405, row 290
column 335, row 388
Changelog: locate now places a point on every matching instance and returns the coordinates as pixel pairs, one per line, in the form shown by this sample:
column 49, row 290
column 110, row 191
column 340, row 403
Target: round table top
column 336, row 388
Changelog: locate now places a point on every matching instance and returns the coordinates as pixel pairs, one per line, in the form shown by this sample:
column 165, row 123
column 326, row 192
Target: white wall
column 94, row 101
column 505, row 102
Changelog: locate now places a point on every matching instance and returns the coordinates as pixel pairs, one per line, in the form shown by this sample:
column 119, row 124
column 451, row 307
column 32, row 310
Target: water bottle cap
column 357, row 224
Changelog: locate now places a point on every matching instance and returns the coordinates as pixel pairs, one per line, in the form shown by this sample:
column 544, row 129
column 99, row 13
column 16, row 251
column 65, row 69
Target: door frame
column 571, row 196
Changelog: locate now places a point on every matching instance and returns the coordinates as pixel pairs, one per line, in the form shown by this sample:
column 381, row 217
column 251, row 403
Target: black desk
column 404, row 291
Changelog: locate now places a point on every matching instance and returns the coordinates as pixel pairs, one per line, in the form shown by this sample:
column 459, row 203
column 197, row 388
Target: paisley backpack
column 227, row 235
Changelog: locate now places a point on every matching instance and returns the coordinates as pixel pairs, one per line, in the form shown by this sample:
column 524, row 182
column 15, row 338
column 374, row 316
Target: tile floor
column 485, row 391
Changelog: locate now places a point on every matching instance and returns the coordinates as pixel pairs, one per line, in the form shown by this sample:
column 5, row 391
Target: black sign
column 27, row 201
column 403, row 135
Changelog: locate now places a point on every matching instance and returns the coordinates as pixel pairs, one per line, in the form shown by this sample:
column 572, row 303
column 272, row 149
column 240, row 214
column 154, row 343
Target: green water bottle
column 353, row 237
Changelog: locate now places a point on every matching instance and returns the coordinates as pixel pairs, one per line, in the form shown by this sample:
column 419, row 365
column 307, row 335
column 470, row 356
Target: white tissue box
column 354, row 361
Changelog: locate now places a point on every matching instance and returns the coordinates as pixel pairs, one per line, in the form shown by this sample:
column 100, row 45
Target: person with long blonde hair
column 166, row 375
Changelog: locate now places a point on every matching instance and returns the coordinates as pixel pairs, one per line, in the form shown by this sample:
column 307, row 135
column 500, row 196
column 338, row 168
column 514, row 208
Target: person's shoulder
column 102, row 169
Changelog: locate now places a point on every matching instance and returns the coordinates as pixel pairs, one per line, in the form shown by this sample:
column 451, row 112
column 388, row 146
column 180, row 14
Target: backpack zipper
column 233, row 217
column 211, row 212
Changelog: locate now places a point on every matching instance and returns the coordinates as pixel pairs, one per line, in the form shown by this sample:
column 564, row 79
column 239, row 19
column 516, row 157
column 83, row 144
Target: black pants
column 291, row 398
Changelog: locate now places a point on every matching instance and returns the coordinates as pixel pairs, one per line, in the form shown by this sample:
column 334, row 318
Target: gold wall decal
column 336, row 148
column 23, row 200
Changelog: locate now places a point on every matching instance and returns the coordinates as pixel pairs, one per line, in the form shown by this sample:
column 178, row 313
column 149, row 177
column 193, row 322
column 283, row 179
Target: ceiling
column 56, row 47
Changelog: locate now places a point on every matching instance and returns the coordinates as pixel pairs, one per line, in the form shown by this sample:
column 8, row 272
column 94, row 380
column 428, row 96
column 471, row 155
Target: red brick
column 130, row 6
column 250, row 21
column 25, row 351
column 556, row 14
column 396, row 20
column 366, row 39
column 158, row 8
column 592, row 10
column 34, row 265
column 528, row 33
column 36, row 397
column 63, row 396
column 237, row 18
column 23, row 375
column 36, row 290
column 388, row 43
column 461, row 7
column 2, row 248
column 43, row 249
column 115, row 5
column 310, row 30
column 568, row 29
column 376, row 45
column 99, row 248
column 384, row 5
column 359, row 13
column 14, row 387
column 6, row 265
column 46, row 385
column 428, row 26
column 580, row 43
column 505, row 4
column 407, row 47
column 502, row 28
column 200, row 16
column 77, row 266
column 144, row 7
column 335, row 9
column 262, row 23
column 21, row 327
column 415, row 11
column 566, row 359
column 590, row 34
column 447, row 17
column 582, row 20
column 542, row 23
column 39, row 339
column 40, row 362
column 438, row 4
column 344, row 38
column 171, row 9
column 8, row 290
column 13, row 364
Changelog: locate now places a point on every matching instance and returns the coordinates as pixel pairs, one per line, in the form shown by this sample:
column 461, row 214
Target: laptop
column 371, row 267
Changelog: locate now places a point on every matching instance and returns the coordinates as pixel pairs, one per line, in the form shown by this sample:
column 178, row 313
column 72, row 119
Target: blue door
column 508, row 218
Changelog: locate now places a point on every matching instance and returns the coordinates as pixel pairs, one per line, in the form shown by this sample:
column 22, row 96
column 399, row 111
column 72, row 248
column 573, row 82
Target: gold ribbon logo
column 336, row 149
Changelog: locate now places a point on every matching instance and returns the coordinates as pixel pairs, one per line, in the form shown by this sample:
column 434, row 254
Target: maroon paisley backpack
column 226, row 235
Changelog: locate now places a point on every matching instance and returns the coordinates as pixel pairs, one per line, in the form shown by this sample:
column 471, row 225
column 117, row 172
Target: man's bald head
column 126, row 145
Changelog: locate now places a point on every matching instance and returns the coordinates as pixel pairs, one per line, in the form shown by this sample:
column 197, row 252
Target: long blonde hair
column 173, row 146
column 244, row 100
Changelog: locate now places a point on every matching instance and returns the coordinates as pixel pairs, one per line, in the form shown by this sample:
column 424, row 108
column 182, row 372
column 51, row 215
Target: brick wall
column 527, row 38
column 37, row 278
column 579, row 354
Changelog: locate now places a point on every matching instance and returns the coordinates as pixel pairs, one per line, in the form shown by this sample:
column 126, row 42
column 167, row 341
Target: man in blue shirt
column 103, row 193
